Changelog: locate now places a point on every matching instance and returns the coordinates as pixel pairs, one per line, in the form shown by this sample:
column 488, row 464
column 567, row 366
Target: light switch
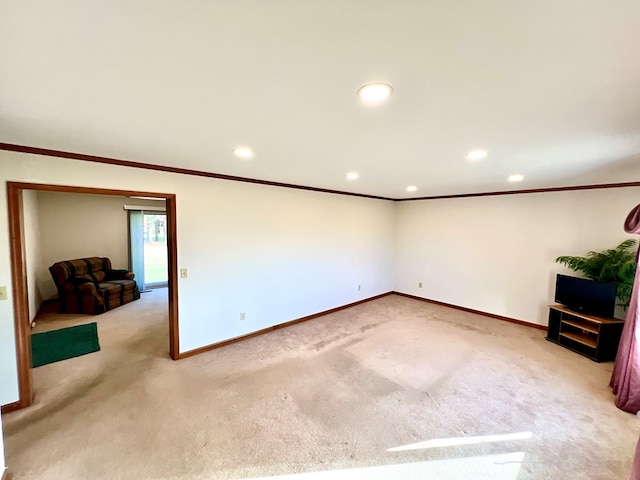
column 3, row 293
column 184, row 273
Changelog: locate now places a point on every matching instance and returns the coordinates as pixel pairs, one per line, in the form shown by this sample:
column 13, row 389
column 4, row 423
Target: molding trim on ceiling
column 162, row 168
column 185, row 171
column 531, row 190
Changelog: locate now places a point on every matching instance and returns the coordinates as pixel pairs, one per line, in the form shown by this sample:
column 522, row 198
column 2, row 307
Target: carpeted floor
column 393, row 388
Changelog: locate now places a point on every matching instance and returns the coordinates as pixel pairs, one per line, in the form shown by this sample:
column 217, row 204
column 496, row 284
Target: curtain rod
column 145, row 207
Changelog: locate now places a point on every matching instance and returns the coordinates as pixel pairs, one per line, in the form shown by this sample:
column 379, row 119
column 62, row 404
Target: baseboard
column 224, row 343
column 11, row 407
column 477, row 312
column 47, row 305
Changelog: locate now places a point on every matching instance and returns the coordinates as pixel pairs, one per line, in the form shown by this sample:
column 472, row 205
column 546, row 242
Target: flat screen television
column 586, row 296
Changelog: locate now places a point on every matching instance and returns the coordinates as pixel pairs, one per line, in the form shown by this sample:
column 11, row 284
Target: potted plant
column 617, row 265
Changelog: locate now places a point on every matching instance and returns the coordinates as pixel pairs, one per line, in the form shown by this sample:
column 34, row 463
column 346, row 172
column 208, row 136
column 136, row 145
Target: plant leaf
column 616, row 265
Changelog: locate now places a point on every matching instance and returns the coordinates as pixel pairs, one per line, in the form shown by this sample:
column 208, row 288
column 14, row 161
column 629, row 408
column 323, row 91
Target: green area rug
column 49, row 347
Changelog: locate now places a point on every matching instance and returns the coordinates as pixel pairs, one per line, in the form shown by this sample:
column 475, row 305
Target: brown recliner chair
column 91, row 286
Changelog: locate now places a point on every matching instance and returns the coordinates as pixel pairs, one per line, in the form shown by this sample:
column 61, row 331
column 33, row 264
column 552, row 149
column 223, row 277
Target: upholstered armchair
column 91, row 286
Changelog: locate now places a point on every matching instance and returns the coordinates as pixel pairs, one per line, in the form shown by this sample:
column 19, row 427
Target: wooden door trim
column 19, row 274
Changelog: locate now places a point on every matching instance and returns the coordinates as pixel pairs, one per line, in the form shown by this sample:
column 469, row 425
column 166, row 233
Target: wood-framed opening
column 19, row 275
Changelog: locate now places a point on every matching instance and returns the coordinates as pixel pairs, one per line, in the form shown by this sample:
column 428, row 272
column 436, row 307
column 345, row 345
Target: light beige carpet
column 393, row 388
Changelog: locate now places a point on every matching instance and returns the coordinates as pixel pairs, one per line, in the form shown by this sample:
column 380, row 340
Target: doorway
column 19, row 275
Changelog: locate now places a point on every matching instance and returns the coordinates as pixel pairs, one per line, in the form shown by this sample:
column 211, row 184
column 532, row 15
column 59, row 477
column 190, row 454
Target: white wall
column 495, row 254
column 81, row 225
column 276, row 254
column 32, row 250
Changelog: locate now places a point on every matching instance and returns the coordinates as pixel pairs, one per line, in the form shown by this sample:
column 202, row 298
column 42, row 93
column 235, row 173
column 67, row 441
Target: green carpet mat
column 49, row 347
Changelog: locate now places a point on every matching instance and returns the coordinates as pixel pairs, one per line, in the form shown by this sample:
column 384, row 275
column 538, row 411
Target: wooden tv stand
column 594, row 337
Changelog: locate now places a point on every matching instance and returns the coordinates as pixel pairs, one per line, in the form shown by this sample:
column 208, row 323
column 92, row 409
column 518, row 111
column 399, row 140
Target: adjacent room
column 61, row 228
column 342, row 220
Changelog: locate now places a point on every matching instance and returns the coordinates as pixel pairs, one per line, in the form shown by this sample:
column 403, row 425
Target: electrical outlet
column 359, row 287
column 243, row 316
column 184, row 273
column 3, row 293
column 419, row 284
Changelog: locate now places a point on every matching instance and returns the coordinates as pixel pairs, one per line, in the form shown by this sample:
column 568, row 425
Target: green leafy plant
column 617, row 265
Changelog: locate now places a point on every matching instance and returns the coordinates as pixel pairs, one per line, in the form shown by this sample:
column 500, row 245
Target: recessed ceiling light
column 374, row 93
column 412, row 188
column 516, row 178
column 476, row 154
column 243, row 152
column 353, row 176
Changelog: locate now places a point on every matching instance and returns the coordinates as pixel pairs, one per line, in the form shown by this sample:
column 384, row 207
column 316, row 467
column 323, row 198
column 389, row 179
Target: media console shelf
column 594, row 337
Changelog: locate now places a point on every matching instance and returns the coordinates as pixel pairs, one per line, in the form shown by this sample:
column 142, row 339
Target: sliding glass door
column 148, row 245
column 155, row 249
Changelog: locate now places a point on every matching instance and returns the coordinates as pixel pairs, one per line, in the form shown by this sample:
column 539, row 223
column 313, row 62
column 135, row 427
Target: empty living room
column 366, row 209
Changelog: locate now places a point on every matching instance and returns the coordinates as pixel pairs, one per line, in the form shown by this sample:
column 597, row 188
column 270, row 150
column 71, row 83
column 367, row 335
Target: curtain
column 625, row 378
column 136, row 246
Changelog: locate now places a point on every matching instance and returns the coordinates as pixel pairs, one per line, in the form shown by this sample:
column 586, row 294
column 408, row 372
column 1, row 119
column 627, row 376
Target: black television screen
column 586, row 296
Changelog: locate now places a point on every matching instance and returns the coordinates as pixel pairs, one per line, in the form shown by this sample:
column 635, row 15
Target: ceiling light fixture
column 476, row 155
column 374, row 93
column 516, row 177
column 353, row 176
column 243, row 152
column 412, row 188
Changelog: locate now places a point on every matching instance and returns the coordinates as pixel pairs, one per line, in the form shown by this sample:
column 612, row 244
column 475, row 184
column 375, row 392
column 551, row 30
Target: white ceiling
column 550, row 88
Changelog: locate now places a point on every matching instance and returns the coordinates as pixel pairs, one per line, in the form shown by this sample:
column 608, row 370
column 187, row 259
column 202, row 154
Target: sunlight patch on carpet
column 505, row 466
column 457, row 441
